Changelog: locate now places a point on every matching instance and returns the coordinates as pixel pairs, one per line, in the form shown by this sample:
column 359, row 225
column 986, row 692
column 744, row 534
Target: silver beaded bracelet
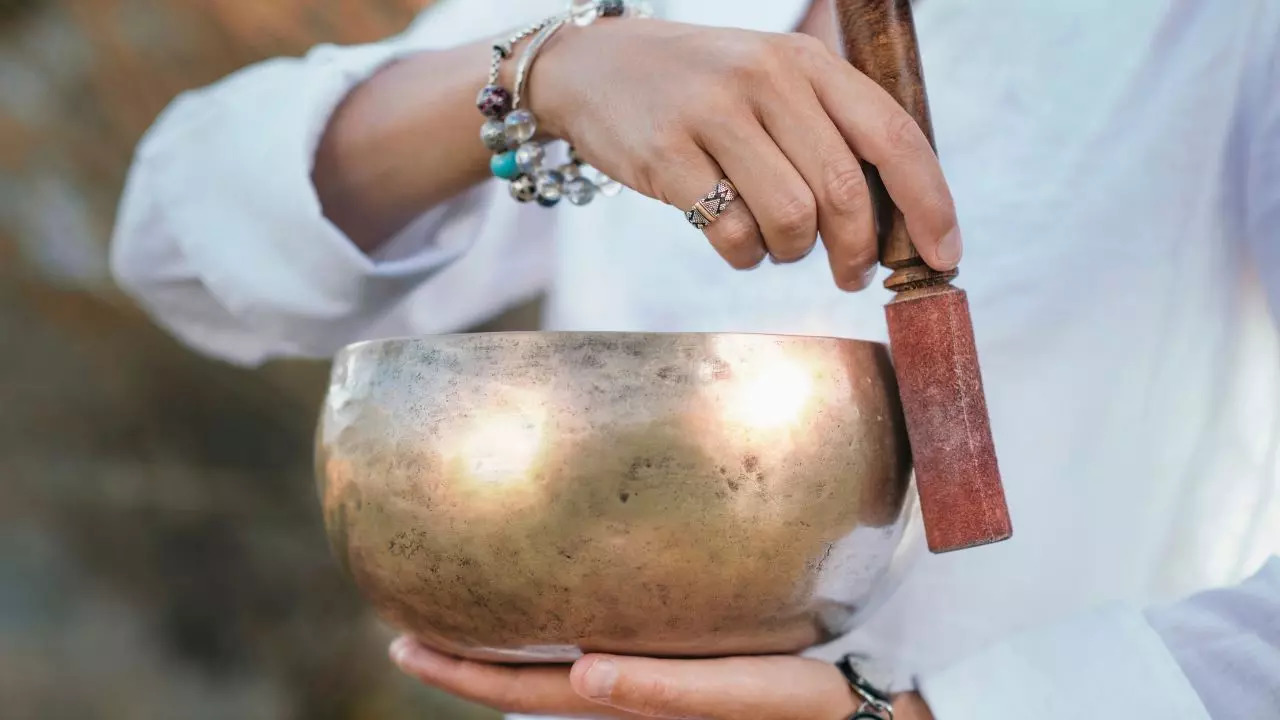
column 509, row 129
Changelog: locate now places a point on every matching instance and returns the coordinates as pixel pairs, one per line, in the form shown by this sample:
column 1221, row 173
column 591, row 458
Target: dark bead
column 548, row 202
column 494, row 101
column 524, row 188
column 612, row 8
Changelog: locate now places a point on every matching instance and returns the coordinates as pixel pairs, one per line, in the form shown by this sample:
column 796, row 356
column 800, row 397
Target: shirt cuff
column 1109, row 663
column 249, row 221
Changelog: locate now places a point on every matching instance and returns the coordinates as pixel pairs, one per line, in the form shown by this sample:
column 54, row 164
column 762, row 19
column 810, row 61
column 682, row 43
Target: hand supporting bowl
column 527, row 497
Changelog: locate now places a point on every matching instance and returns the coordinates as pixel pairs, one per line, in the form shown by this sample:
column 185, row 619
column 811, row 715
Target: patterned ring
column 705, row 211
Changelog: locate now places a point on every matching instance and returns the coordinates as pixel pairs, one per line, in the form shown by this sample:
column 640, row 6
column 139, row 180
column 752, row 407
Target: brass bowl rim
column 637, row 335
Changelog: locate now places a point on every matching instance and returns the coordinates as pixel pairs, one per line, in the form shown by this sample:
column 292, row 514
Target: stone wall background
column 160, row 548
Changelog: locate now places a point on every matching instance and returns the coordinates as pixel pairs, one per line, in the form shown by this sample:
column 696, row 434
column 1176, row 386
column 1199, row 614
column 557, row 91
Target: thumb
column 763, row 688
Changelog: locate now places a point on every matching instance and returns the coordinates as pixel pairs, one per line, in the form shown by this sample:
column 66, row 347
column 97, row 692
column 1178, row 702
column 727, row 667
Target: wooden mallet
column 930, row 331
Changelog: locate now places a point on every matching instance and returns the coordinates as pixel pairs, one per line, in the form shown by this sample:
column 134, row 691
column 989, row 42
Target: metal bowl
column 526, row 497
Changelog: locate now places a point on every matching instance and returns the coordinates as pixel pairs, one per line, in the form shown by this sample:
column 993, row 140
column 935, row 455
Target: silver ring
column 708, row 209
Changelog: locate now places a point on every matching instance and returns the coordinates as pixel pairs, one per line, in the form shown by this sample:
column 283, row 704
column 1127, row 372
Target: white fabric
column 1097, row 658
column 1228, row 643
column 1117, row 171
column 1221, row 647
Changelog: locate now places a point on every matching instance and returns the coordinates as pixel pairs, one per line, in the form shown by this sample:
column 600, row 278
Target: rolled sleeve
column 221, row 236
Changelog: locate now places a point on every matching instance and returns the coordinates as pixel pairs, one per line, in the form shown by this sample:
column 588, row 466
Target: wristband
column 876, row 704
column 509, row 130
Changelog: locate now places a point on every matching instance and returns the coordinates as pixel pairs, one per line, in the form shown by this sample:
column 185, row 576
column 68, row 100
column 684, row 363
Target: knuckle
column 795, row 219
column 760, row 61
column 903, row 136
column 805, row 47
column 717, row 103
column 661, row 146
column 732, row 232
column 747, row 60
column 846, row 188
column 737, row 242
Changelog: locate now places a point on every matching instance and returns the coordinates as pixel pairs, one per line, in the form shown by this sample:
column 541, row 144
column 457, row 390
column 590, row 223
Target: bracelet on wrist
column 875, row 703
column 510, row 130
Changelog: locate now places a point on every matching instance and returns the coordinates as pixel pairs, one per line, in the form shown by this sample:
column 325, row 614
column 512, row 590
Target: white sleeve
column 1228, row 644
column 1213, row 656
column 220, row 234
column 1260, row 129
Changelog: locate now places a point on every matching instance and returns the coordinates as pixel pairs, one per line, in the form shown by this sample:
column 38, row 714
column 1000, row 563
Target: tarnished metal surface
column 529, row 496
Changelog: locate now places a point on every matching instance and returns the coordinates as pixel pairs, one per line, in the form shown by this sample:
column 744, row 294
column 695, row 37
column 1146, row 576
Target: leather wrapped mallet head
column 930, row 330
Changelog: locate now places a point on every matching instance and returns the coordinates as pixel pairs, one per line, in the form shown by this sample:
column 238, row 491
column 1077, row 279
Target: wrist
column 507, row 70
column 873, row 699
column 557, row 86
column 517, row 132
column 549, row 88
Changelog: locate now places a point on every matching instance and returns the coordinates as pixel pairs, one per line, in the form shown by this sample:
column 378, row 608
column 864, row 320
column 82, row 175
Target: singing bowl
column 527, row 497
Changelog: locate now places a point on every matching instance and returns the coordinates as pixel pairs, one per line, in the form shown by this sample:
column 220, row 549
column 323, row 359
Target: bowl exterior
column 527, row 497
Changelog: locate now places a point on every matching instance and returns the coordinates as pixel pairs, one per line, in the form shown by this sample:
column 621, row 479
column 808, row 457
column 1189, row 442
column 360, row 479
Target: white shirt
column 1116, row 166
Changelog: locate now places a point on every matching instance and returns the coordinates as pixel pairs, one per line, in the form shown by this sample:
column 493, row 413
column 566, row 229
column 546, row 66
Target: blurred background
column 161, row 554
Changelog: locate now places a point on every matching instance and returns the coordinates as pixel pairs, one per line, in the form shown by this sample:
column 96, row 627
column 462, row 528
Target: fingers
column 788, row 125
column 881, row 132
column 735, row 235
column 766, row 688
column 512, row 690
column 820, row 153
column 762, row 688
column 772, row 189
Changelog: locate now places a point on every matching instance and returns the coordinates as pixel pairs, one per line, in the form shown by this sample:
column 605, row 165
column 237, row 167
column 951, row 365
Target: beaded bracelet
column 534, row 181
column 509, row 130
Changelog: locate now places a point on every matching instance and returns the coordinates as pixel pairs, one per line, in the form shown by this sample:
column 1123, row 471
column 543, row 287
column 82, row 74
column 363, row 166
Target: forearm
column 403, row 142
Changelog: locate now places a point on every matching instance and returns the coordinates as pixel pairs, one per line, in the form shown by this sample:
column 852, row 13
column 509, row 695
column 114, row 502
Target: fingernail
column 407, row 652
column 599, row 680
column 950, row 247
column 400, row 650
column 870, row 276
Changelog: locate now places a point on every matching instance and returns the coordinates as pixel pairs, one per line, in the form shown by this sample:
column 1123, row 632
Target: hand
column 600, row 686
column 668, row 109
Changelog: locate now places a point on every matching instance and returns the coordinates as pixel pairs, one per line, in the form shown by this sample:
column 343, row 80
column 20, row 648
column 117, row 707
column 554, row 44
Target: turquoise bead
column 504, row 165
